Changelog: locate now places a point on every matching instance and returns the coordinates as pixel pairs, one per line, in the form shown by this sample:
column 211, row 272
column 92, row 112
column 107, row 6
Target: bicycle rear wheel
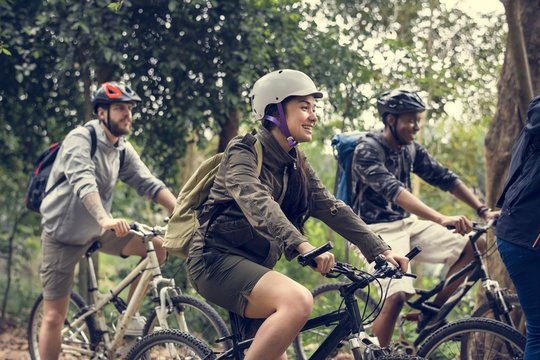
column 474, row 339
column 201, row 319
column 326, row 298
column 76, row 342
column 170, row 344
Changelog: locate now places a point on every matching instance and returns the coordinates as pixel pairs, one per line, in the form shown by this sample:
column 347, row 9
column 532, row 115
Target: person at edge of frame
column 518, row 228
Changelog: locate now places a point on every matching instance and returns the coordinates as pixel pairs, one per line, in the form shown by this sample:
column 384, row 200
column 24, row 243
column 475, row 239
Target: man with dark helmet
column 382, row 165
column 77, row 212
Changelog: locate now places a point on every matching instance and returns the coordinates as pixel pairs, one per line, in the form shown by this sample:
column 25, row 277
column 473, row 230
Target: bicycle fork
column 495, row 296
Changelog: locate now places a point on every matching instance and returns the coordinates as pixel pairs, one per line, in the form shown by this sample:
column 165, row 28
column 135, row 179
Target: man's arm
column 165, row 198
column 412, row 204
column 93, row 204
column 463, row 193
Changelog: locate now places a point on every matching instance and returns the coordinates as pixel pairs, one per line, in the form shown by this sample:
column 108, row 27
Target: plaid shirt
column 379, row 173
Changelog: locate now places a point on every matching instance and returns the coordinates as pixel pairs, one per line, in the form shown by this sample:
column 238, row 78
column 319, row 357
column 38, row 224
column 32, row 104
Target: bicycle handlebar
column 382, row 268
column 146, row 230
column 478, row 227
column 308, row 258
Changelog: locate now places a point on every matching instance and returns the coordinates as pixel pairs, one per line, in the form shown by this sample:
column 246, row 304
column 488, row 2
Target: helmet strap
column 393, row 130
column 108, row 122
column 281, row 123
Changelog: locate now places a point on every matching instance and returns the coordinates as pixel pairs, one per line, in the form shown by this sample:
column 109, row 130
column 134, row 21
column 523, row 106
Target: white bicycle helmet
column 274, row 87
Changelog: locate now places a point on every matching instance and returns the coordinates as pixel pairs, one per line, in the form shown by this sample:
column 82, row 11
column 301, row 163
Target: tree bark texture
column 229, row 130
column 513, row 97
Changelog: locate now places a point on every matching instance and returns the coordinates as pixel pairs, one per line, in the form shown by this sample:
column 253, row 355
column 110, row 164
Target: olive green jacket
column 251, row 222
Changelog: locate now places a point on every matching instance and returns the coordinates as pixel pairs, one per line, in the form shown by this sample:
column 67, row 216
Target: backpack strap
column 211, row 215
column 250, row 139
column 93, row 148
column 122, row 158
column 258, row 149
column 93, row 140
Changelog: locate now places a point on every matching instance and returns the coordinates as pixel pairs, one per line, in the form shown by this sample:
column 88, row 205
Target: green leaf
column 115, row 6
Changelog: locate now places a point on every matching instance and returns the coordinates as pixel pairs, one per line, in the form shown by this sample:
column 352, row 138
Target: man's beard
column 117, row 131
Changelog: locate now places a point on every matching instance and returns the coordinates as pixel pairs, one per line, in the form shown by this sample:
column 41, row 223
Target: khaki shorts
column 225, row 280
column 439, row 246
column 59, row 261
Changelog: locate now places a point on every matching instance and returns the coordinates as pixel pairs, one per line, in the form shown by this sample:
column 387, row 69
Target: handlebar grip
column 414, row 251
column 307, row 258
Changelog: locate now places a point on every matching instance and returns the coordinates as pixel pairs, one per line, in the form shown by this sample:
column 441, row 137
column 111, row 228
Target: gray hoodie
column 64, row 216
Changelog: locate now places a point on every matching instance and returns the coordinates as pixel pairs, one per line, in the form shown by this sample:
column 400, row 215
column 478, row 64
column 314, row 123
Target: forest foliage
column 194, row 61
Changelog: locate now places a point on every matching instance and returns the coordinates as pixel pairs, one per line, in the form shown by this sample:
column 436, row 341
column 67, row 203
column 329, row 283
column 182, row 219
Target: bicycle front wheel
column 510, row 299
column 326, row 298
column 77, row 341
column 474, row 339
column 196, row 317
column 170, row 344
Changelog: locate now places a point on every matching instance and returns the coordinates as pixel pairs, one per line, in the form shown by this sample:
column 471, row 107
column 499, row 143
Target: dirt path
column 13, row 345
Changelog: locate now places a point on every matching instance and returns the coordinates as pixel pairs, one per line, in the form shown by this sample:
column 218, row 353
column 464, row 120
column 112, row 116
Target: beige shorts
column 59, row 261
column 439, row 246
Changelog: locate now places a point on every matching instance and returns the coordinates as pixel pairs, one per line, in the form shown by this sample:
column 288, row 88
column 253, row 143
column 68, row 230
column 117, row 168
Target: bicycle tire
column 332, row 298
column 203, row 320
column 400, row 357
column 151, row 346
column 474, row 338
column 85, row 337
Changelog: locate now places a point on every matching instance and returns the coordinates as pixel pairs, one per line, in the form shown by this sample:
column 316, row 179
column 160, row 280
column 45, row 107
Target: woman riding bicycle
column 248, row 220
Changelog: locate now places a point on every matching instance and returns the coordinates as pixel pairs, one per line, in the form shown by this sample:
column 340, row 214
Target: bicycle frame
column 477, row 271
column 349, row 325
column 149, row 271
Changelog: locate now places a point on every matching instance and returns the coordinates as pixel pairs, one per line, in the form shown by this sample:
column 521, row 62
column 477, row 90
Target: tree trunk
column 84, row 275
column 18, row 219
column 511, row 110
column 229, row 130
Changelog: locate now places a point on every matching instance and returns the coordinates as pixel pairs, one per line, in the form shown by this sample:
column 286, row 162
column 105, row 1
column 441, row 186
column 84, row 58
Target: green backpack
column 184, row 221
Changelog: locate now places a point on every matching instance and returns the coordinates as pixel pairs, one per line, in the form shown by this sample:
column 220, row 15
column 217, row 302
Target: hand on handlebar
column 490, row 214
column 323, row 262
column 460, row 223
column 120, row 226
column 401, row 262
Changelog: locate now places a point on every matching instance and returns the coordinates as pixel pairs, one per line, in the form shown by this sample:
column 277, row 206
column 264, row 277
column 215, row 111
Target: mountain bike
column 499, row 302
column 98, row 330
column 346, row 341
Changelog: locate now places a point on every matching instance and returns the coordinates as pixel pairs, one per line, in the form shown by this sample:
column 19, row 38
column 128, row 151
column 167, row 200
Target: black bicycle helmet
column 399, row 102
column 112, row 92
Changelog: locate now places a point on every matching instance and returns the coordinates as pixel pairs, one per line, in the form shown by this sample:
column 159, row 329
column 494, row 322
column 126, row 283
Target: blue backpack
column 343, row 146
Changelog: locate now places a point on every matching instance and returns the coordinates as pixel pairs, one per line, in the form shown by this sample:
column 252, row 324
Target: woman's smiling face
column 301, row 118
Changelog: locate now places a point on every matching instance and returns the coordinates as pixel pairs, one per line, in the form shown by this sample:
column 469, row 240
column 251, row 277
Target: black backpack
column 37, row 185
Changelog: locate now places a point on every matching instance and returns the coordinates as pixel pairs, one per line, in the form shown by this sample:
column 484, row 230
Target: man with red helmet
column 76, row 212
